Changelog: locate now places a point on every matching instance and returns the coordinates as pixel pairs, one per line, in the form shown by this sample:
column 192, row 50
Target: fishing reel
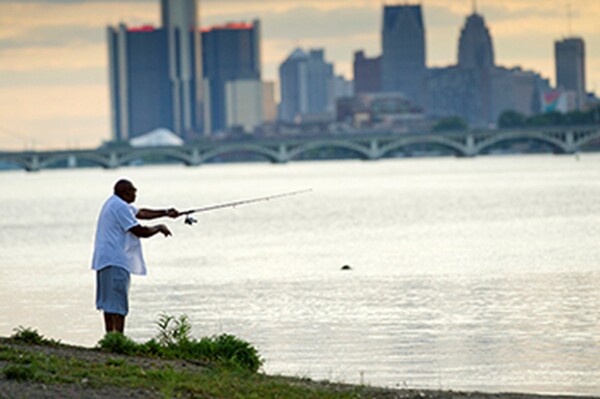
column 190, row 220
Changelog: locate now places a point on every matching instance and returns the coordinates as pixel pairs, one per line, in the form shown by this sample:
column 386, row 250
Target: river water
column 467, row 274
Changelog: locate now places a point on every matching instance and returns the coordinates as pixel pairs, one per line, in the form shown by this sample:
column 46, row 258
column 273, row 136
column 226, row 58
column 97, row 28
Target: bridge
column 368, row 146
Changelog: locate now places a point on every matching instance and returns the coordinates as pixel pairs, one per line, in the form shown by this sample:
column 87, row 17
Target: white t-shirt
column 115, row 245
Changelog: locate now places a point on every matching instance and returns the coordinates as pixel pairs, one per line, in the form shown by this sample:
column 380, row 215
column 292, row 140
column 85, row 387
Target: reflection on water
column 496, row 334
column 467, row 274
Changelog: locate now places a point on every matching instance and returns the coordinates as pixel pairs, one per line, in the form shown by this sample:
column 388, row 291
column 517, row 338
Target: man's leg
column 119, row 323
column 114, row 322
column 108, row 322
column 112, row 293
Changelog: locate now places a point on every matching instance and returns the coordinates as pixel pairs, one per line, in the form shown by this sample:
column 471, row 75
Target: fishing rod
column 191, row 220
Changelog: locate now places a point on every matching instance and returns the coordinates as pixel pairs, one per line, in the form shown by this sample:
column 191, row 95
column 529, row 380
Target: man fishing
column 118, row 251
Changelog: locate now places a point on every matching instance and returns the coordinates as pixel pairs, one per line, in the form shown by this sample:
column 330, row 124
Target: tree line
column 513, row 119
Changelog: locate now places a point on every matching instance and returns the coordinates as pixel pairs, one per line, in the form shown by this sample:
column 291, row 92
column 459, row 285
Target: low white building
column 157, row 138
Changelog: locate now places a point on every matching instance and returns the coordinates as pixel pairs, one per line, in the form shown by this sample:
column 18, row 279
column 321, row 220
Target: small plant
column 233, row 351
column 173, row 331
column 31, row 337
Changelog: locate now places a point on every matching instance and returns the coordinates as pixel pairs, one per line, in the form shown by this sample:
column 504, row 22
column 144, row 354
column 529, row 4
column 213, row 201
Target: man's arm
column 157, row 213
column 149, row 231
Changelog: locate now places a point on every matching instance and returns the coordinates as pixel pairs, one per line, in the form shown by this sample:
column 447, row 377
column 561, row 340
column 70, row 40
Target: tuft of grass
column 31, row 337
column 19, row 372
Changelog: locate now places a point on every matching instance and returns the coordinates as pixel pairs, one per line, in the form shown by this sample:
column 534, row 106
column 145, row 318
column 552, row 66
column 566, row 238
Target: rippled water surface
column 466, row 273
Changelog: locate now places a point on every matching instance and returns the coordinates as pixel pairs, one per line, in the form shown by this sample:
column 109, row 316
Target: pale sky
column 53, row 53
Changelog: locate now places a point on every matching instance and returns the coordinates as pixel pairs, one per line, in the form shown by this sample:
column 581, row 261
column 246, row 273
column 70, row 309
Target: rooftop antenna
column 474, row 6
column 569, row 18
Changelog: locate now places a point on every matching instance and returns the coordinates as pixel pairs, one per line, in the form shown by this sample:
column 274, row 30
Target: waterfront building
column 307, row 87
column 231, row 52
column 390, row 112
column 155, row 74
column 367, row 73
column 519, row 90
column 465, row 89
column 244, row 102
column 269, row 103
column 569, row 55
column 403, row 64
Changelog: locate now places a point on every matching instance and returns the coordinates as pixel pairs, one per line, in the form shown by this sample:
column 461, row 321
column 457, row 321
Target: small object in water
column 346, row 267
column 190, row 220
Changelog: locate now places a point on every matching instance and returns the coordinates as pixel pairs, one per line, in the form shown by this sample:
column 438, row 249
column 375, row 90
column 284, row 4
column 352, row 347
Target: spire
column 569, row 19
column 474, row 6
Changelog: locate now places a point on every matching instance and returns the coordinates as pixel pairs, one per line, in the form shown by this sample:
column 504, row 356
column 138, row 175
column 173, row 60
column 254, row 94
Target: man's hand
column 164, row 230
column 173, row 213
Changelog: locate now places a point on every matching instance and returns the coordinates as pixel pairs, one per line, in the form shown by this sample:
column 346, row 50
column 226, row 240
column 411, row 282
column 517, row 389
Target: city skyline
column 54, row 78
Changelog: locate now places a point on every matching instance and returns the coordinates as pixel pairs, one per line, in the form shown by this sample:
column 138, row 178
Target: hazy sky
column 53, row 53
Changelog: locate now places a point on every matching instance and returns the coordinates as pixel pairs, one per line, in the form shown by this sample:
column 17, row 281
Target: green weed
column 32, row 337
column 19, row 372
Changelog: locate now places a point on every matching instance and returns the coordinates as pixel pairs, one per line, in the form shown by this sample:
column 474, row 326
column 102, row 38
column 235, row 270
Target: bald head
column 125, row 190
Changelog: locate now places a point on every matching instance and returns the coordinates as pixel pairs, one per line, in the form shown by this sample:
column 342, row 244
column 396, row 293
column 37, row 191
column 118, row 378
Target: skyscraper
column 180, row 19
column 306, row 86
column 230, row 52
column 475, row 48
column 476, row 61
column 569, row 55
column 403, row 63
column 155, row 74
column 140, row 91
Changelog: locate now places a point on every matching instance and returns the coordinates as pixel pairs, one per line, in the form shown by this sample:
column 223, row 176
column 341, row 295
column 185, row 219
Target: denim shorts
column 112, row 290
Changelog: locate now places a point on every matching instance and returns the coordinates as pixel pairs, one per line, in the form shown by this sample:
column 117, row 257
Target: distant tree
column 452, row 123
column 553, row 118
column 510, row 119
column 578, row 118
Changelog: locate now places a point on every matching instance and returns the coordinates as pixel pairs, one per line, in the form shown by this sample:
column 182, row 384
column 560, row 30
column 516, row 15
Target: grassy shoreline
column 55, row 370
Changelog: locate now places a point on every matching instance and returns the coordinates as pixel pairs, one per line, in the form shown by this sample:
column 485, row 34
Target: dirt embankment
column 24, row 388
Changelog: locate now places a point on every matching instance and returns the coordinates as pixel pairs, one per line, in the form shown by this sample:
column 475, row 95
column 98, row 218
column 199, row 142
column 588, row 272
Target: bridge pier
column 471, row 148
column 33, row 165
column 113, row 161
column 195, row 159
column 570, row 144
column 283, row 155
column 374, row 152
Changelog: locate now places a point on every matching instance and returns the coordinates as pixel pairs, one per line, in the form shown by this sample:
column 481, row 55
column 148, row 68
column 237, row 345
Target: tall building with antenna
column 569, row 57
